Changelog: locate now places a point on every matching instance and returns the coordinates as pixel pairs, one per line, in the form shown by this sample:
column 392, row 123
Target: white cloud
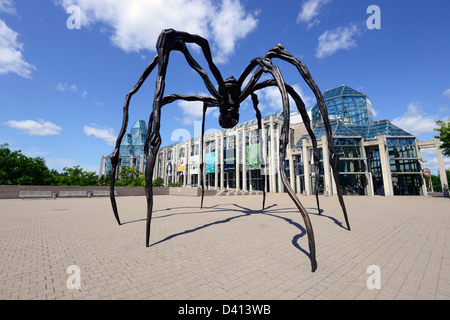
column 447, row 93
column 136, row 24
column 11, row 57
column 309, row 12
column 430, row 160
column 7, row 6
column 67, row 87
column 230, row 24
column 444, row 109
column 105, row 134
column 416, row 121
column 35, row 128
column 193, row 111
column 271, row 97
column 341, row 38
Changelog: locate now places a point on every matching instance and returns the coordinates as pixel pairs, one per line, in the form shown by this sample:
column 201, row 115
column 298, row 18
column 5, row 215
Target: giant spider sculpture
column 227, row 98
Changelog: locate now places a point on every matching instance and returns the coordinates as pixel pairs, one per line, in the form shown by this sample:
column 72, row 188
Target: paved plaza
column 229, row 250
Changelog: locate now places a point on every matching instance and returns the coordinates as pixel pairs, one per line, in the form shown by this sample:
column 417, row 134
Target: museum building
column 376, row 157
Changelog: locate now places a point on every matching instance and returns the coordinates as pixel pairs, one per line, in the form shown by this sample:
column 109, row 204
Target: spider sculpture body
column 227, row 97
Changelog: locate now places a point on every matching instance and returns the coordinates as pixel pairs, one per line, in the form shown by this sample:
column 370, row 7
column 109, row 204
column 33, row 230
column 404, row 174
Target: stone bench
column 103, row 193
column 35, row 194
column 63, row 194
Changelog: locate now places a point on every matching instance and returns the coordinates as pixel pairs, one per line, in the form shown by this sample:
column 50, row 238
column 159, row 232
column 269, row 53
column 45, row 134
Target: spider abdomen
column 229, row 115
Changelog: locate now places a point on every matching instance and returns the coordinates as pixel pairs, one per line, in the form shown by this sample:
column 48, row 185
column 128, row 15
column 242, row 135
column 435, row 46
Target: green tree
column 104, row 180
column 76, row 176
column 158, row 182
column 444, row 136
column 130, row 177
column 18, row 169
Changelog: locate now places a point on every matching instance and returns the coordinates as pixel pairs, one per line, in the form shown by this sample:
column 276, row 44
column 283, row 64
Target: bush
column 176, row 184
column 158, row 182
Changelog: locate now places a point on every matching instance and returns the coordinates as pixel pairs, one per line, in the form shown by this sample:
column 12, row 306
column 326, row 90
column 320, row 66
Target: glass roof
column 346, row 104
column 340, row 91
column 371, row 131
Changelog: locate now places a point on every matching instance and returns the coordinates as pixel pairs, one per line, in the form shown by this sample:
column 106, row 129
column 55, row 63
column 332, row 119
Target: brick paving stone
column 229, row 250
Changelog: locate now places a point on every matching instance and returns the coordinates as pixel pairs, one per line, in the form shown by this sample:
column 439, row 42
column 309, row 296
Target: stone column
column 188, row 163
column 297, row 178
column 244, row 159
column 216, row 164
column 141, row 163
column 107, row 160
column 237, row 161
column 273, row 164
column 306, row 167
column 277, row 155
column 442, row 173
column 165, row 167
column 264, row 155
column 422, row 176
column 370, row 190
column 291, row 163
column 187, row 154
column 327, row 175
column 385, row 167
column 221, row 158
column 100, row 171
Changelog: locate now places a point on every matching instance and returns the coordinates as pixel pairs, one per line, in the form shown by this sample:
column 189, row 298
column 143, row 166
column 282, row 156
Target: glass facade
column 405, row 166
column 131, row 148
column 352, row 166
column 345, row 105
column 374, row 163
column 358, row 139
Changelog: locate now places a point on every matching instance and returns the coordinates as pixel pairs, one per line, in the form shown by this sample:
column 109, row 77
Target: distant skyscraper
column 131, row 153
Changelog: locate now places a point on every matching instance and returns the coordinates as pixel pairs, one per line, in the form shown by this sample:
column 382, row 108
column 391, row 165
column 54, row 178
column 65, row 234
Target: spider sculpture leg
column 253, row 85
column 154, row 139
column 172, row 40
column 168, row 40
column 302, row 110
column 261, row 145
column 115, row 154
column 202, row 182
column 279, row 52
column 266, row 66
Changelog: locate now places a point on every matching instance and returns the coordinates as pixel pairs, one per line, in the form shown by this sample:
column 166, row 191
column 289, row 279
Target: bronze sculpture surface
column 227, row 97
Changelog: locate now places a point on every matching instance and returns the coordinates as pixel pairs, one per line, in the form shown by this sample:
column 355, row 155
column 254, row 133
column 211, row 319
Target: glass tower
column 345, row 105
column 132, row 147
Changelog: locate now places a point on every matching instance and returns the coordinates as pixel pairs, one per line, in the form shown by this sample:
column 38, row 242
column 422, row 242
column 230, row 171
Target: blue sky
column 62, row 89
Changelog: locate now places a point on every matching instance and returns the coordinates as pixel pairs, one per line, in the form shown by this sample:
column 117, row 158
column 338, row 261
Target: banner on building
column 194, row 165
column 229, row 161
column 253, row 158
column 210, row 162
column 169, row 169
column 180, row 167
